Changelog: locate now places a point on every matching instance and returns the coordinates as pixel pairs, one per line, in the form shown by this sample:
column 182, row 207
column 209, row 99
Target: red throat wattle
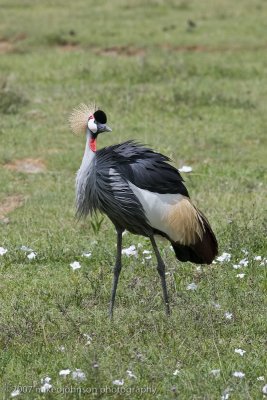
column 92, row 144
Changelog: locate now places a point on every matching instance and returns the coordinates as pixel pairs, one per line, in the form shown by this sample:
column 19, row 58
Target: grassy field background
column 189, row 79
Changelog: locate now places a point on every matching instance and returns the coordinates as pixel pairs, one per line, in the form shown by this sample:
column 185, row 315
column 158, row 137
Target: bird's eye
column 92, row 125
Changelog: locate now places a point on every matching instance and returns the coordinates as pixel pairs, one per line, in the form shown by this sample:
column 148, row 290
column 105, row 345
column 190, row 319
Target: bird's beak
column 108, row 129
column 103, row 128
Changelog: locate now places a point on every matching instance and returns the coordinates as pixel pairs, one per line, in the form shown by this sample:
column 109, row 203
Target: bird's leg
column 161, row 271
column 116, row 271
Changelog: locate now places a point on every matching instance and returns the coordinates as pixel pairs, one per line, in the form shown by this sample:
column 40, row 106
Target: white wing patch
column 172, row 214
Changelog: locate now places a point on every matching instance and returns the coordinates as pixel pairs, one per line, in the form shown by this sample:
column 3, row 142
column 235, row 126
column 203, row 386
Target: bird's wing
column 146, row 169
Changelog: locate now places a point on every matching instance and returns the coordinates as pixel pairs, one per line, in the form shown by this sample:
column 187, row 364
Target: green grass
column 197, row 94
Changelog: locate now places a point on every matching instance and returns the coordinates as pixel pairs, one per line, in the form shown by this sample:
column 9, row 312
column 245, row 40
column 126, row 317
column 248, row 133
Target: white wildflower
column 244, row 251
column 15, row 393
column 75, row 265
column 215, row 372
column 31, row 256
column 225, row 395
column 257, row 258
column 236, row 266
column 130, row 251
column 26, row 249
column 130, row 374
column 78, row 375
column 224, row 257
column 147, row 252
column 238, row 374
column 64, row 372
column 62, row 348
column 241, row 276
column 176, row 372
column 148, row 257
column 118, row 382
column 260, row 378
column 264, row 389
column 240, row 351
column 2, row 251
column 87, row 255
column 46, row 380
column 216, row 305
column 243, row 262
column 228, row 315
column 191, row 286
column 89, row 339
column 46, row 387
column 185, row 168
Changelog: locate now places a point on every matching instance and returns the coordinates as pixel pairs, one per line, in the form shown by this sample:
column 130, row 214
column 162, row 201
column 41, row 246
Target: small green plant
column 96, row 223
column 10, row 100
column 62, row 39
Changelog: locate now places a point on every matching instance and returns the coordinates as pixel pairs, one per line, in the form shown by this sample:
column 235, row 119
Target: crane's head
column 88, row 118
column 97, row 123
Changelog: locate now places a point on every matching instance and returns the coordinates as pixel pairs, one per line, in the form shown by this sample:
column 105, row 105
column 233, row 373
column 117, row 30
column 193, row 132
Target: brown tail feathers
column 203, row 250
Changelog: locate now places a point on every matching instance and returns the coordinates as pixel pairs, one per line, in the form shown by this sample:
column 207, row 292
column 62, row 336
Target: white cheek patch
column 92, row 125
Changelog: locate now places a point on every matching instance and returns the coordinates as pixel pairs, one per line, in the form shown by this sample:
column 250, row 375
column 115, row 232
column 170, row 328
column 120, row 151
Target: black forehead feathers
column 100, row 117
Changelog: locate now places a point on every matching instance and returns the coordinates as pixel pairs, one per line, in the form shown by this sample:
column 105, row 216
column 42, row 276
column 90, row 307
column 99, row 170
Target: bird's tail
column 205, row 247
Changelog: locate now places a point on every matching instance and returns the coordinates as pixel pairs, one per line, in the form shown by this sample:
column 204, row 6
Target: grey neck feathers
column 88, row 153
column 84, row 170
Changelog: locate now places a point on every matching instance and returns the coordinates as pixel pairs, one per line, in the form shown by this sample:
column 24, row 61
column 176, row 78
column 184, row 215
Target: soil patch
column 6, row 47
column 8, row 205
column 69, row 47
column 121, row 51
column 27, row 165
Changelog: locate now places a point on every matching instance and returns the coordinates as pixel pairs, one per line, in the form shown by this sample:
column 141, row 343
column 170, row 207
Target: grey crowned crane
column 140, row 192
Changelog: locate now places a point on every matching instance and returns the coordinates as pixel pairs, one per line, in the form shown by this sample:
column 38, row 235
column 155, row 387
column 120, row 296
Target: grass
column 197, row 94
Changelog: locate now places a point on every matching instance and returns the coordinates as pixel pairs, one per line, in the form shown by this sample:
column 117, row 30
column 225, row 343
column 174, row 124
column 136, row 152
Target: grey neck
column 88, row 153
column 88, row 157
column 85, row 178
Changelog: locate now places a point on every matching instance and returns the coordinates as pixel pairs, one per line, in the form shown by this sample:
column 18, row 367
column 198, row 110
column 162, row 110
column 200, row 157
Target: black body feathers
column 144, row 168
